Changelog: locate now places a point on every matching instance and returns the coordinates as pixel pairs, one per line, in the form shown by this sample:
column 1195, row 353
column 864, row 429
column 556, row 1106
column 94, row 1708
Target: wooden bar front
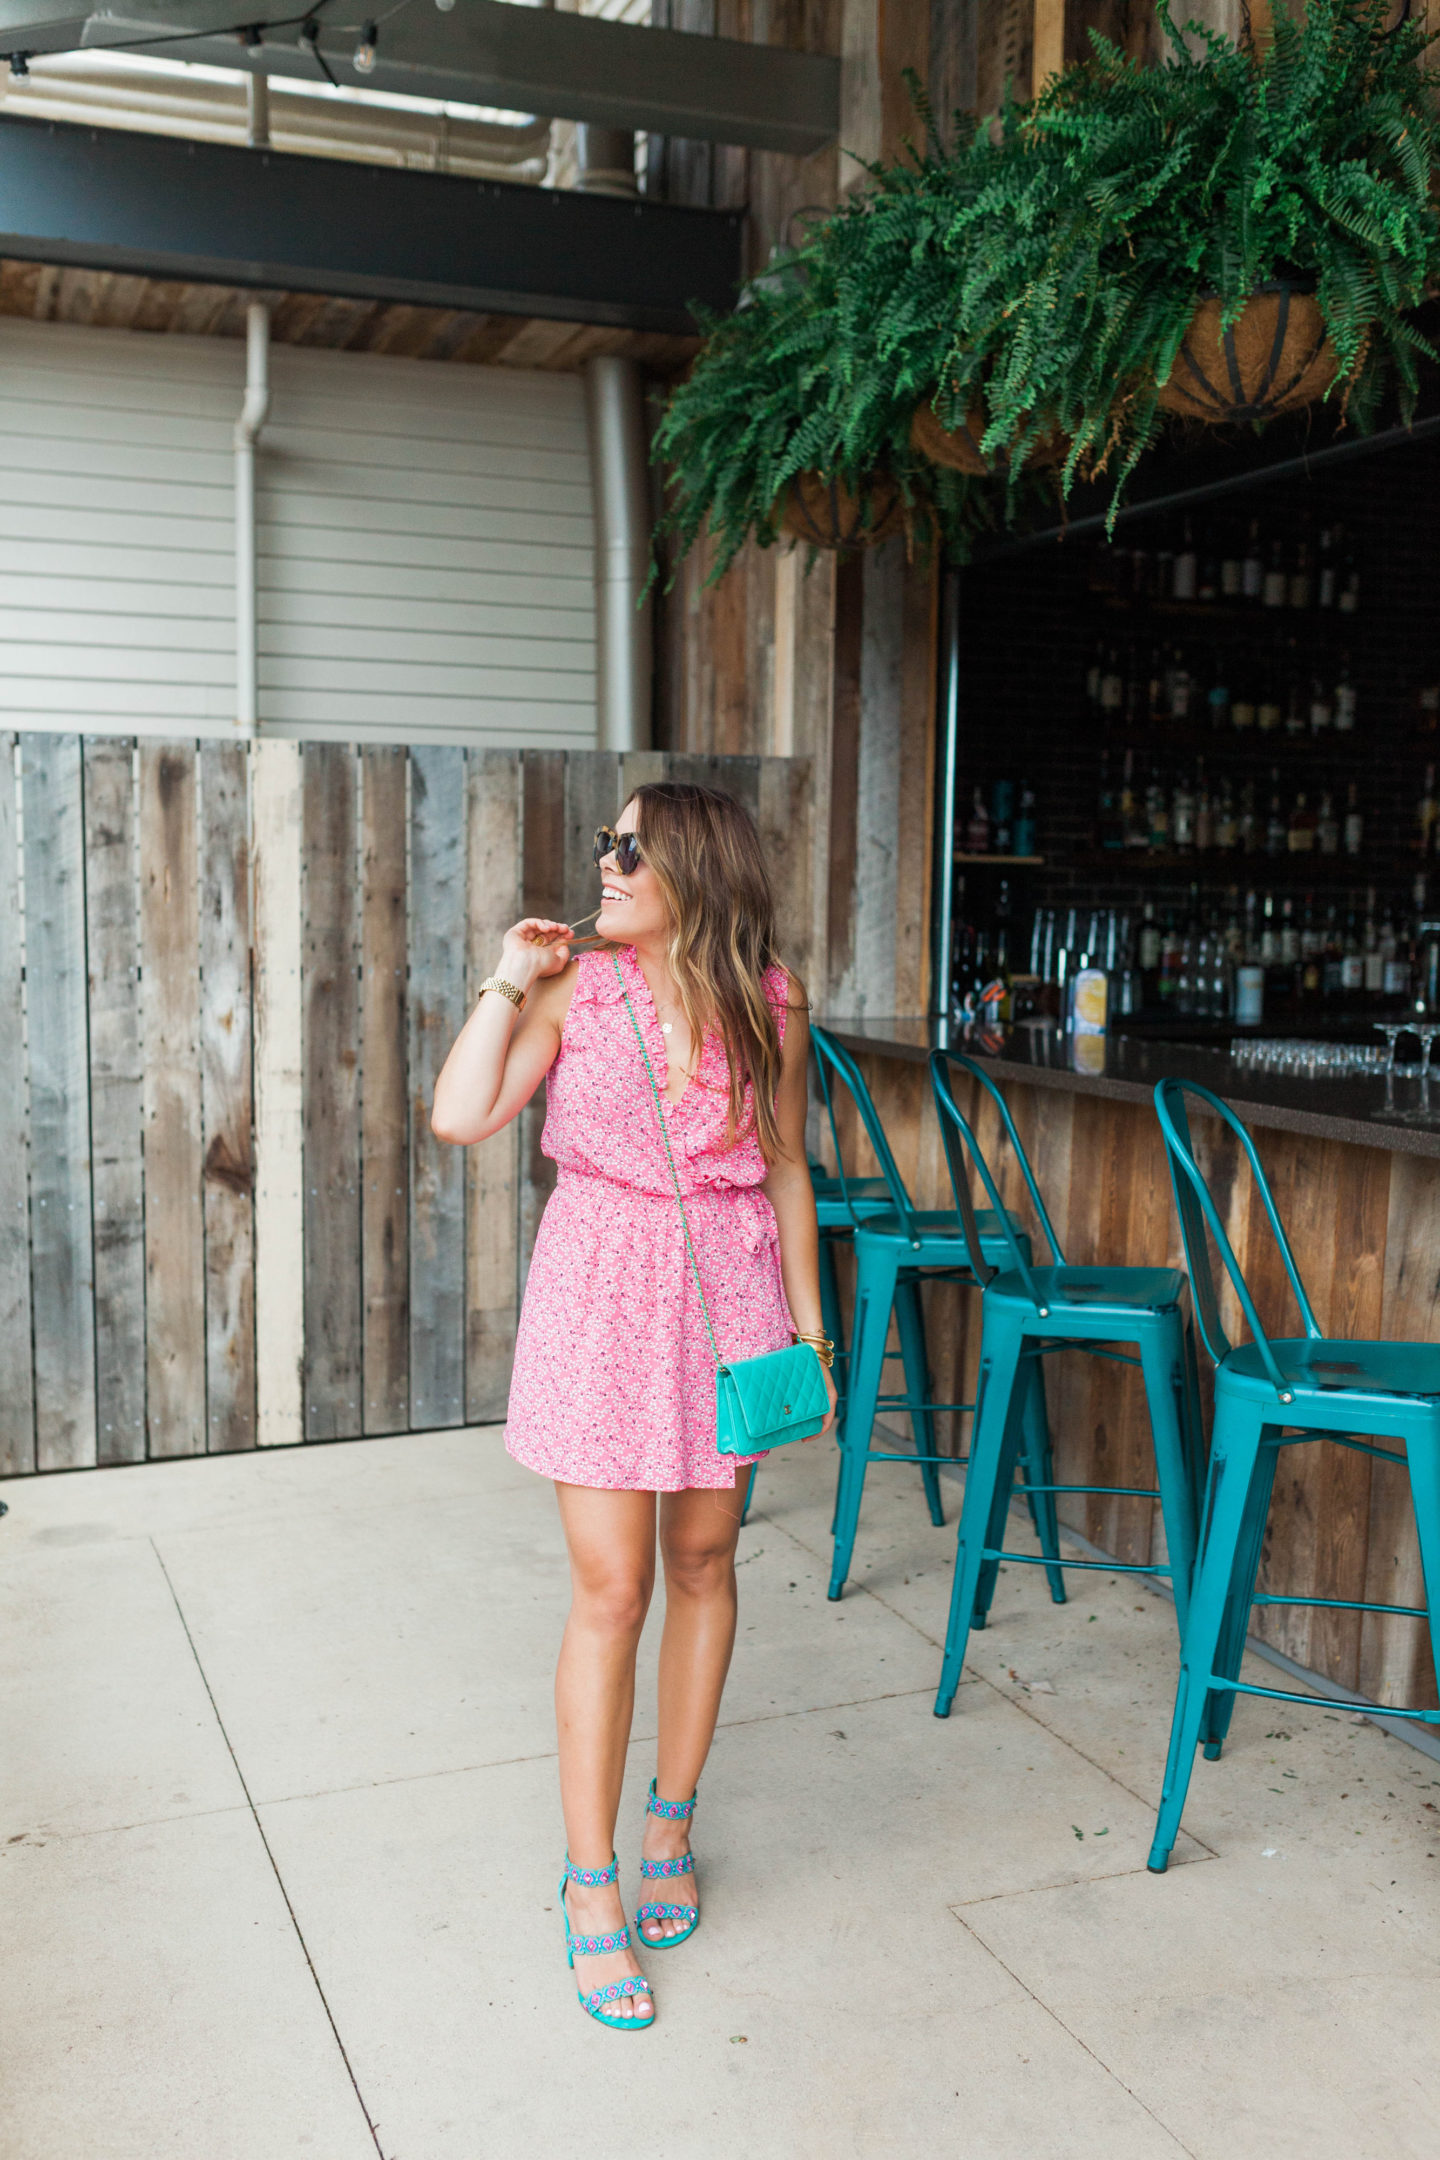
column 1365, row 1225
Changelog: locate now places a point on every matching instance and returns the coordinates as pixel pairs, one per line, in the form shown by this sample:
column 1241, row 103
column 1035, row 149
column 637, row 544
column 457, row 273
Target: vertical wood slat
column 385, row 1119
column 170, row 1013
column 62, row 1254
column 116, row 1096
column 1395, row 1661
column 592, row 799
column 331, row 1022
column 542, row 878
column 437, row 1172
column 227, row 1101
column 492, row 1170
column 17, row 1396
column 276, row 796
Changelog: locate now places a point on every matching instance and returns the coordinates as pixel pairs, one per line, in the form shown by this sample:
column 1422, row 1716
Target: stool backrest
column 832, row 1058
column 955, row 1128
column 1195, row 1205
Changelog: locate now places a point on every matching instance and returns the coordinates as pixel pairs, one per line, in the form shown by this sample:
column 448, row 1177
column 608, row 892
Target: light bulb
column 444, row 6
column 365, row 50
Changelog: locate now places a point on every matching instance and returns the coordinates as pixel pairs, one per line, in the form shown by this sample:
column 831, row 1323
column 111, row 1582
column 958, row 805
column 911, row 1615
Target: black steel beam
column 486, row 52
column 107, row 199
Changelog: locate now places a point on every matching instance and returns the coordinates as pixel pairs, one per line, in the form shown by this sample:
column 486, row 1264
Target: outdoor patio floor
column 283, row 1838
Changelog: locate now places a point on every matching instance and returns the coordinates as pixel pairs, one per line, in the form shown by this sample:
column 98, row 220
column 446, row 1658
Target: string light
column 365, row 50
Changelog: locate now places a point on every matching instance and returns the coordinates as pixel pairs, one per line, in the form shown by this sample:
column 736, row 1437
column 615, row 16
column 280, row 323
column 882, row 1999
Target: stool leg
column 1039, row 1461
column 749, row 1494
column 910, row 1320
column 875, row 1272
column 1238, row 1428
column 1162, row 1361
column 1235, row 1625
column 830, row 1315
column 1425, row 1497
column 994, row 1440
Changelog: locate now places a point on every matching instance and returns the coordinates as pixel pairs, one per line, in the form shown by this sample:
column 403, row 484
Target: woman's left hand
column 829, row 1424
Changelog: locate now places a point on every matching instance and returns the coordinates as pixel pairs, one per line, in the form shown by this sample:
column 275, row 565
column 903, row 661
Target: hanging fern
column 1043, row 274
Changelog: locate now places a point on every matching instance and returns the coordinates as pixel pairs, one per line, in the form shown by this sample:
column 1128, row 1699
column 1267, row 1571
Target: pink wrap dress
column 614, row 1380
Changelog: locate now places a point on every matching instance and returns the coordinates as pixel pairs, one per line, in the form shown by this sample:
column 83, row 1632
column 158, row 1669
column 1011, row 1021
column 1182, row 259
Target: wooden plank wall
column 1362, row 1222
column 228, row 977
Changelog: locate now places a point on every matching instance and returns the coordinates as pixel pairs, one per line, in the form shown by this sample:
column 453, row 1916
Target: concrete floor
column 279, row 1797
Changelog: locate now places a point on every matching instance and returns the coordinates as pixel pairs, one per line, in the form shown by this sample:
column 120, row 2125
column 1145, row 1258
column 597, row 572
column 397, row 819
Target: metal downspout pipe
column 620, row 482
column 942, row 910
column 247, row 429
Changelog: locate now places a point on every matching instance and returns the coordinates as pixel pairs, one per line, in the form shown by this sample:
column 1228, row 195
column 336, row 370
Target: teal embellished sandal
column 598, row 1946
column 663, row 1870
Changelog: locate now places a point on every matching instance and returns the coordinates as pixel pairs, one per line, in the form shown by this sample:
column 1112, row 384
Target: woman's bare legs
column 698, row 1531
column 611, row 1541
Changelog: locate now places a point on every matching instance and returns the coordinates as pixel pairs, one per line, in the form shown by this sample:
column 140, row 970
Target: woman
column 613, row 1394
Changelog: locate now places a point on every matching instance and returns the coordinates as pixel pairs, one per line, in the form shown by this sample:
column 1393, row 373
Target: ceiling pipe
column 620, row 482
column 253, row 414
column 257, row 111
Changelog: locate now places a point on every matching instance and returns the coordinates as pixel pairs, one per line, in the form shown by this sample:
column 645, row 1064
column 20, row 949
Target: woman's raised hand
column 534, row 949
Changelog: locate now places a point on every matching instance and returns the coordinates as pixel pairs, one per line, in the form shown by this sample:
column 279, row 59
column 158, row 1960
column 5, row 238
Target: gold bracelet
column 506, row 990
column 823, row 1347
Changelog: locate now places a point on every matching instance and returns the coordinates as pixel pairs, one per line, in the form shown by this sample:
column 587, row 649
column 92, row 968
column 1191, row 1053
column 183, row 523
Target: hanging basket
column 1276, row 358
column 826, row 514
column 959, row 447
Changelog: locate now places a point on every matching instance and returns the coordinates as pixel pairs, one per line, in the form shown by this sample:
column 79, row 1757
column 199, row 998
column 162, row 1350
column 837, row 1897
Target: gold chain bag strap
column 760, row 1402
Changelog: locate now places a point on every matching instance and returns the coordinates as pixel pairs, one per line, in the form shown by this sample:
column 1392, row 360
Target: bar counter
column 1359, row 1192
column 1352, row 1109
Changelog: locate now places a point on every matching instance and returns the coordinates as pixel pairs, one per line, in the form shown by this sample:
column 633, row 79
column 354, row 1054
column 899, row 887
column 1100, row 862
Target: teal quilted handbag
column 760, row 1402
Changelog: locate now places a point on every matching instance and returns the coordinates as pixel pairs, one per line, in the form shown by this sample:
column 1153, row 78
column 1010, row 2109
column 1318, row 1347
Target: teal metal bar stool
column 894, row 1252
column 1270, row 1395
column 1030, row 1311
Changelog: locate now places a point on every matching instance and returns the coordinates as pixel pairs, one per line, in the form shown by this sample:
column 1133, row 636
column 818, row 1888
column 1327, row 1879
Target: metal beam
column 487, row 52
column 109, row 199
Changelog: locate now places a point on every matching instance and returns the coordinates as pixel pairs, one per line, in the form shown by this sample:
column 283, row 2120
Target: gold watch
column 506, row 990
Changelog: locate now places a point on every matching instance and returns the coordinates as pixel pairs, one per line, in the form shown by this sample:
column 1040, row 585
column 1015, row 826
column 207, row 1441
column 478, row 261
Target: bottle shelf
column 1228, row 612
column 1215, row 868
column 1186, row 738
column 1013, row 862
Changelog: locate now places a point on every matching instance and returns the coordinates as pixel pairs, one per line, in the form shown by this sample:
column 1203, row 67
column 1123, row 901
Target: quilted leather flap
column 779, row 1392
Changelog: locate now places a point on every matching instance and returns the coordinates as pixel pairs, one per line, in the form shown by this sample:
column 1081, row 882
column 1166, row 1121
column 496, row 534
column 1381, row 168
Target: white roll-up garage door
column 425, row 543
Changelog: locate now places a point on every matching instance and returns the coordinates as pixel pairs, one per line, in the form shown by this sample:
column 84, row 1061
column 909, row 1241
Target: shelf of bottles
column 1239, row 779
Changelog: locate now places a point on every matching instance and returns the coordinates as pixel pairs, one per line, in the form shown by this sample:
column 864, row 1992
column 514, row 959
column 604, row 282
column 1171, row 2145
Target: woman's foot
column 667, row 1843
column 596, row 1911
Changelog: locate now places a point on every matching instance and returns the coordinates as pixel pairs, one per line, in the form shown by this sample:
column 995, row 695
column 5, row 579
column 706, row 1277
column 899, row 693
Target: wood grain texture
column 227, row 1096
column 492, row 1170
column 116, row 1094
column 276, row 794
column 170, row 1014
column 437, row 1011
column 385, row 1113
column 592, row 799
column 542, row 885
column 784, row 789
column 17, row 1398
column 1396, row 1665
column 62, row 1266
column 331, row 1095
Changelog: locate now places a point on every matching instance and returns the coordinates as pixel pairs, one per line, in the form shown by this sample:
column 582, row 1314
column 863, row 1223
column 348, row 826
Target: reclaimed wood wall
column 1363, row 1225
column 228, row 977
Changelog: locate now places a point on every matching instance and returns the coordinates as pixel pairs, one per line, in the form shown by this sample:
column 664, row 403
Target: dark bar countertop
column 1352, row 1109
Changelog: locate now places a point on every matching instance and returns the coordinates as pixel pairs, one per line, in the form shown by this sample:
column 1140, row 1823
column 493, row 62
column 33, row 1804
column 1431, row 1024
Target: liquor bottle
column 1268, row 715
column 1352, row 960
column 1276, row 588
column 1345, row 699
column 1182, row 816
column 1300, row 577
column 1157, row 812
column 1002, row 817
column 1332, row 980
column 1396, row 979
column 977, row 831
column 1249, row 824
column 1148, row 950
column 1134, row 706
column 1275, row 830
column 1186, row 566
column 1157, row 696
column 1327, row 830
column 1300, row 832
column 1269, row 947
column 1207, row 585
column 1426, row 812
column 1180, row 686
column 1297, row 705
column 1354, row 822
column 1374, row 960
column 1172, row 945
column 1227, row 823
column 1322, row 707
column 1347, row 598
column 1289, row 934
column 1231, row 573
column 1326, row 579
column 1242, row 709
column 1252, row 567
column 1204, row 814
column 1427, row 709
column 1109, row 831
column 1217, row 697
column 1134, row 830
column 1025, row 823
column 1112, row 685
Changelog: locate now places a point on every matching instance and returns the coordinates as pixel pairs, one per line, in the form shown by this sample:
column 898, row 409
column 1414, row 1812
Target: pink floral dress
column 614, row 1381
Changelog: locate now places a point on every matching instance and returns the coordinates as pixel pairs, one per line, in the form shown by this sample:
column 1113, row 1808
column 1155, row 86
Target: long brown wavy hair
column 704, row 850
